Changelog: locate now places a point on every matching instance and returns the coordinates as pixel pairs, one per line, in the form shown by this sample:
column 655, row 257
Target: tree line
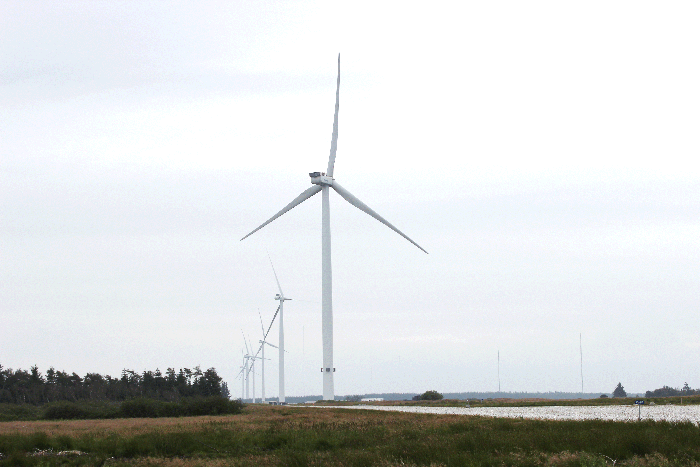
column 32, row 387
column 667, row 391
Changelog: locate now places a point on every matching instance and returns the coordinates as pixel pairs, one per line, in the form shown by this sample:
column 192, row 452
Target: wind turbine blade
column 308, row 193
column 278, row 281
column 246, row 343
column 363, row 207
column 256, row 353
column 273, row 320
column 262, row 326
column 334, row 139
column 251, row 346
column 272, row 345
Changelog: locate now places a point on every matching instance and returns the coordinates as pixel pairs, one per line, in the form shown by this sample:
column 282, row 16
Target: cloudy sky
column 544, row 153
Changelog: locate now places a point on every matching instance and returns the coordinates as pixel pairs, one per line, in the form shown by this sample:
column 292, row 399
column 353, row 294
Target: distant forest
column 667, row 391
column 31, row 387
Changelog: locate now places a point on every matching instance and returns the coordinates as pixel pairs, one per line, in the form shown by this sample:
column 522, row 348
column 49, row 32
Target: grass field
column 297, row 436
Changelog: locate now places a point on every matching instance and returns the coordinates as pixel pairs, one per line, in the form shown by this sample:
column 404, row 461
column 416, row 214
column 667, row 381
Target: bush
column 431, row 396
column 193, row 406
column 134, row 408
column 12, row 412
column 64, row 411
column 141, row 408
column 213, row 405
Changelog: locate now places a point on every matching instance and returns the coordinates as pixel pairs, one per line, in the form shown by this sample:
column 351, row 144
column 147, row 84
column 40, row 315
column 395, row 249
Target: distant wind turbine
column 322, row 182
column 263, row 342
column 280, row 310
column 246, row 357
column 252, row 366
column 241, row 374
column 262, row 346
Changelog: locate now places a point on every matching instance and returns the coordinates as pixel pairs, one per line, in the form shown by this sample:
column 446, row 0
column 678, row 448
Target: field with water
column 289, row 436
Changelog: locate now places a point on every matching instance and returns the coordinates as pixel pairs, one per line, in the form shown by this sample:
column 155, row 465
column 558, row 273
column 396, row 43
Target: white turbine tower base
column 262, row 346
column 322, row 183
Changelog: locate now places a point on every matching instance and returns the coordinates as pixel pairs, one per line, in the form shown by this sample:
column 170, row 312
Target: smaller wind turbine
column 248, row 368
column 262, row 347
column 241, row 374
column 280, row 309
column 252, row 367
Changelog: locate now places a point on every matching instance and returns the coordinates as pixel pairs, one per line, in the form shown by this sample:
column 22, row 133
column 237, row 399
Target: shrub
column 64, row 411
column 193, row 406
column 11, row 412
column 213, row 405
column 431, row 396
column 141, row 408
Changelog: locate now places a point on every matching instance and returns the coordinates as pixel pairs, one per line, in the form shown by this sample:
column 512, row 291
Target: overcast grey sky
column 545, row 153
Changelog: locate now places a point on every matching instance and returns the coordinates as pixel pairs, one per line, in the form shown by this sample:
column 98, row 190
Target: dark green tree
column 224, row 390
column 431, row 396
column 208, row 383
column 619, row 391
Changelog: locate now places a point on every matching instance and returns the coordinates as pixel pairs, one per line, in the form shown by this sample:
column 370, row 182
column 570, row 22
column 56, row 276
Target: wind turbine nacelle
column 318, row 178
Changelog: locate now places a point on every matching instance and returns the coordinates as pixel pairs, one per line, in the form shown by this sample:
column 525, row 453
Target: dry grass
column 320, row 436
column 117, row 426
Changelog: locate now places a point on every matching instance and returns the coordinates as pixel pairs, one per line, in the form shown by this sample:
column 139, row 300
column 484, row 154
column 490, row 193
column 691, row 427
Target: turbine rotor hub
column 320, row 178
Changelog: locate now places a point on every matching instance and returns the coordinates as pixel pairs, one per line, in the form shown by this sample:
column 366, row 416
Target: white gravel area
column 671, row 413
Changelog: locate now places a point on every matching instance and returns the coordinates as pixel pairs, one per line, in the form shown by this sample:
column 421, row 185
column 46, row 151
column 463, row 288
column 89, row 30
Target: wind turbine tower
column 262, row 346
column 322, row 182
column 280, row 309
column 263, row 342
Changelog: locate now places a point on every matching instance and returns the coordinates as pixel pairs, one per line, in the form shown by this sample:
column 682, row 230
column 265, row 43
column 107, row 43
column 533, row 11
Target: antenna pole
column 580, row 345
column 499, row 371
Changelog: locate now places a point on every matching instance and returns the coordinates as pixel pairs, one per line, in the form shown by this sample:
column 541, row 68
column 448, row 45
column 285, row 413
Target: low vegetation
column 134, row 408
column 428, row 396
column 289, row 436
column 667, row 391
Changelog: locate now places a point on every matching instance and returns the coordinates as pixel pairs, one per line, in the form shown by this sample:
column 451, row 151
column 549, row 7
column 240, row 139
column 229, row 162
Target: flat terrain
column 625, row 413
column 288, row 436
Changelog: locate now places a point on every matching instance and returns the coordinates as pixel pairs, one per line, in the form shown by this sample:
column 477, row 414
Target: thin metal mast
column 580, row 345
column 499, row 371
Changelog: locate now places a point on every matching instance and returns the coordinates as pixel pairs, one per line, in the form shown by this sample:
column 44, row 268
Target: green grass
column 134, row 408
column 302, row 436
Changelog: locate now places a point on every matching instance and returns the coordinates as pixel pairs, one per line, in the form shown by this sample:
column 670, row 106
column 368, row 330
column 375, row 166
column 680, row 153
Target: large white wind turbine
column 322, row 182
